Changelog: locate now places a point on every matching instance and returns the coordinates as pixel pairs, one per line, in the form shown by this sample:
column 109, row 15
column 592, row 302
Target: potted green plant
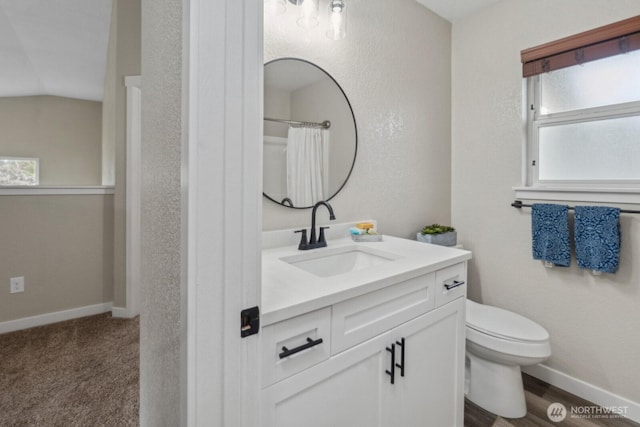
column 437, row 234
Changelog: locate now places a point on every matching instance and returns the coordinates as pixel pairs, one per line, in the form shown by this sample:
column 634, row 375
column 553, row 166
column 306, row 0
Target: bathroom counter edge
column 288, row 291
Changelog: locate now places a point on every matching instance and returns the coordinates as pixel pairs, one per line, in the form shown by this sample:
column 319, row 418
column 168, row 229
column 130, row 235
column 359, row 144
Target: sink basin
column 331, row 262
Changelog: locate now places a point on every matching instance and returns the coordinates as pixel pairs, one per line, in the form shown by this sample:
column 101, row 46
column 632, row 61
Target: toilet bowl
column 498, row 343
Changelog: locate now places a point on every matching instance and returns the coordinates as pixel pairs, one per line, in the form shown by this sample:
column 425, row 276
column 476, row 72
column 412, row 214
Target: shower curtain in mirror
column 305, row 146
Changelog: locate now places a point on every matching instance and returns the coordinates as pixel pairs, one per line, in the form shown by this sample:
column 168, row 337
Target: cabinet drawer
column 359, row 319
column 451, row 283
column 294, row 345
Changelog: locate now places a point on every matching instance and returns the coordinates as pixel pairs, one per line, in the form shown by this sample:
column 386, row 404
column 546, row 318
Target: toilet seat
column 503, row 324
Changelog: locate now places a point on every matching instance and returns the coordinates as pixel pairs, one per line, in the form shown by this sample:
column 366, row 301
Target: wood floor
column 539, row 396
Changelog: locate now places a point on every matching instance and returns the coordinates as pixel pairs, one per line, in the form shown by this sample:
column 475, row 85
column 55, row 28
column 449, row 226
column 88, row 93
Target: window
column 583, row 120
column 19, row 171
column 584, row 124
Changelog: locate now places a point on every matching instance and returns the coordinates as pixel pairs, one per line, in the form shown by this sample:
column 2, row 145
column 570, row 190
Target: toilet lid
column 503, row 324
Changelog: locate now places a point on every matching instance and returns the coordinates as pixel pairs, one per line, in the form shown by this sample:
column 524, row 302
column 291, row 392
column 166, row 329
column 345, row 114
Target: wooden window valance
column 609, row 40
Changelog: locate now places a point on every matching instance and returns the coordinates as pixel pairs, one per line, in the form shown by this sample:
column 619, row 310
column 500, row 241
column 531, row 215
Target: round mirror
column 310, row 136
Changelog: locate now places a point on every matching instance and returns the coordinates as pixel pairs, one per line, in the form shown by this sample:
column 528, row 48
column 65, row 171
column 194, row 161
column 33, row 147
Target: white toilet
column 498, row 343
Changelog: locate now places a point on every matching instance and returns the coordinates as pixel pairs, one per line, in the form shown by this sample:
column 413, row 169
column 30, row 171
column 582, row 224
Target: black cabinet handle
column 455, row 284
column 401, row 364
column 310, row 343
column 392, row 373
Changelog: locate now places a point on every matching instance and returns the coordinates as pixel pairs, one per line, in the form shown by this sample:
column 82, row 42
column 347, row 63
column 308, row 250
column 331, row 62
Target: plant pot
column 444, row 239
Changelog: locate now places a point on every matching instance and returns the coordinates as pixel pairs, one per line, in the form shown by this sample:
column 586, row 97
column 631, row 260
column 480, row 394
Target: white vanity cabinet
column 431, row 393
column 393, row 357
column 346, row 390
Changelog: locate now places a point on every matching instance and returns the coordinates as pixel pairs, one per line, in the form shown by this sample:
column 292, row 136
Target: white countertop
column 289, row 291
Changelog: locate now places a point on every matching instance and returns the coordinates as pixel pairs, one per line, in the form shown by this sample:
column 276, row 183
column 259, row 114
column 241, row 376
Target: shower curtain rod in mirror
column 324, row 125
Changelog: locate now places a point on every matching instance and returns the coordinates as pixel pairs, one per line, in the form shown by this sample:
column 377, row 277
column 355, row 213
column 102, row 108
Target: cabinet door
column 431, row 392
column 347, row 390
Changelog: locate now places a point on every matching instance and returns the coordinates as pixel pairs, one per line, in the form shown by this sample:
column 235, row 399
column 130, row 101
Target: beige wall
column 394, row 66
column 81, row 143
column 593, row 321
column 63, row 247
column 161, row 213
column 123, row 60
column 109, row 104
column 128, row 64
column 64, row 133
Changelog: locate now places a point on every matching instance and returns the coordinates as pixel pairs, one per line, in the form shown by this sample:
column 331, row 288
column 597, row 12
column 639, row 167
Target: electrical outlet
column 16, row 284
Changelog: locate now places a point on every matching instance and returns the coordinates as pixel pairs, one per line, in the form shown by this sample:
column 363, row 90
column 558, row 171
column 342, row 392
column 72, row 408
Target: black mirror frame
column 355, row 129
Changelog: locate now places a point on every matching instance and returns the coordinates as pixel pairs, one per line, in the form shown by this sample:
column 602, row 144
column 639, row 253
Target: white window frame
column 614, row 191
column 37, row 171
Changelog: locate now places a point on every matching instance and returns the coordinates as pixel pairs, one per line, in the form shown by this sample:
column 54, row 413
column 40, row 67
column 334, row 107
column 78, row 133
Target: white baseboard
column 122, row 313
column 584, row 390
column 58, row 316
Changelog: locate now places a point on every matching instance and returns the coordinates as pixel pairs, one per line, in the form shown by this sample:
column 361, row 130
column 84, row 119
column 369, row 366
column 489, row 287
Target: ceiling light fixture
column 337, row 20
column 308, row 15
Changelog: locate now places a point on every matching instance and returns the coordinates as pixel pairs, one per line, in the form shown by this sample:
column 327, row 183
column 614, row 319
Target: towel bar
column 518, row 204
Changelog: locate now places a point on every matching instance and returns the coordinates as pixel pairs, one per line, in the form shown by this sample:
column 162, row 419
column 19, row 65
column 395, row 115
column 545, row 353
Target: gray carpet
column 82, row 372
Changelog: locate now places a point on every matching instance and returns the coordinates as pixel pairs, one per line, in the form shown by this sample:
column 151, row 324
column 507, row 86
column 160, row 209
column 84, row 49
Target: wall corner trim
column 55, row 317
column 583, row 389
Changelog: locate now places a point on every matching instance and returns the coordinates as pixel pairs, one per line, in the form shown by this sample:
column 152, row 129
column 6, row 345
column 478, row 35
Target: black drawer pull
column 310, row 343
column 401, row 364
column 392, row 372
column 455, row 284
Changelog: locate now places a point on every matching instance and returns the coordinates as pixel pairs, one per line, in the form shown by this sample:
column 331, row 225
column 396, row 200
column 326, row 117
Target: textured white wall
column 593, row 321
column 394, row 65
column 161, row 208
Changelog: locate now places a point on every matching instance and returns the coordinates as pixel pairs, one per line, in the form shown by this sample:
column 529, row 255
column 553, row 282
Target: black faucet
column 320, row 242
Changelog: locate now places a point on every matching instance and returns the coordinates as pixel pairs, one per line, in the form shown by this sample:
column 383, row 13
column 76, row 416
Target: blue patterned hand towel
column 550, row 233
column 597, row 237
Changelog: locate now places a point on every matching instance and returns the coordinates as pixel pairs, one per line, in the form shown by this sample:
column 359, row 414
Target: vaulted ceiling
column 54, row 47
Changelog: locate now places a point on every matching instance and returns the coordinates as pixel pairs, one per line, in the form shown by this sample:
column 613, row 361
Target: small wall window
column 583, row 99
column 19, row 171
column 584, row 123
